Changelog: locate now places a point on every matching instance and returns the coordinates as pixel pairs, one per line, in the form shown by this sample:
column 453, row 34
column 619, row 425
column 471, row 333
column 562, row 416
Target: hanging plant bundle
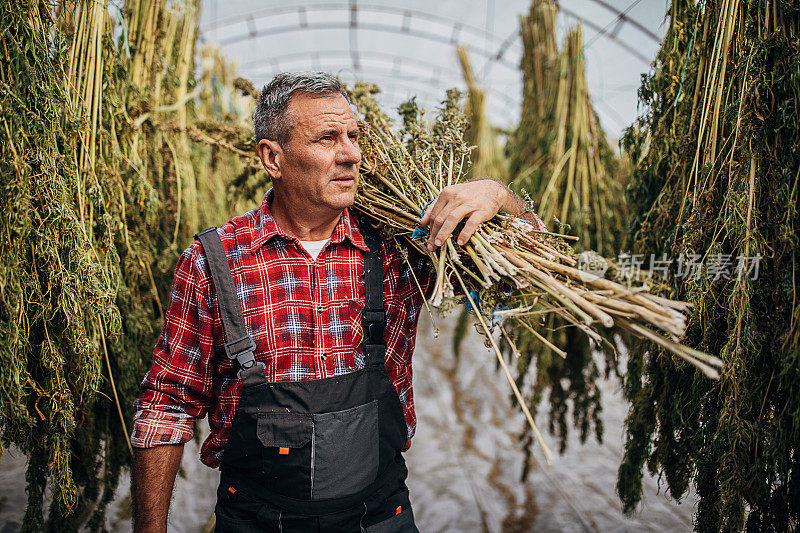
column 488, row 159
column 96, row 202
column 57, row 279
column 575, row 180
column 528, row 143
column 559, row 154
column 716, row 179
column 559, row 157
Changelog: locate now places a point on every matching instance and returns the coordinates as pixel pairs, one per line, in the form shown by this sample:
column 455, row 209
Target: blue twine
column 421, row 231
column 494, row 318
column 503, row 213
column 474, row 296
column 497, row 320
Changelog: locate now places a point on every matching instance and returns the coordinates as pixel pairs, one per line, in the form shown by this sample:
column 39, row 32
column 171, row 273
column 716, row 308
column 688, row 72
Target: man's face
column 321, row 160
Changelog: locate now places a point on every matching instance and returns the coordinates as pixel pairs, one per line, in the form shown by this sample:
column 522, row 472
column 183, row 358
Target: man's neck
column 305, row 224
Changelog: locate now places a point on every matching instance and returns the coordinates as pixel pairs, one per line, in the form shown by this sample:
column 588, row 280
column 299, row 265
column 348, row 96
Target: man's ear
column 271, row 155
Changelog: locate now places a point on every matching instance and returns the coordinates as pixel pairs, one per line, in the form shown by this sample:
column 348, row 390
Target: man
column 263, row 332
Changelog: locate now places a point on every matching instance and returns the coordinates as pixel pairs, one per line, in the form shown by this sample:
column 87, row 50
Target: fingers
column 470, row 226
column 444, row 222
column 426, row 216
column 434, row 214
column 476, row 200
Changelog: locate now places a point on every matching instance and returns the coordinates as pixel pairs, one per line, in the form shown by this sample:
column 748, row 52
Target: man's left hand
column 477, row 201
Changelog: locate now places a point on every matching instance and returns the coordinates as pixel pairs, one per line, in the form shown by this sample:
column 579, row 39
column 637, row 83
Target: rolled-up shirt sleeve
column 177, row 389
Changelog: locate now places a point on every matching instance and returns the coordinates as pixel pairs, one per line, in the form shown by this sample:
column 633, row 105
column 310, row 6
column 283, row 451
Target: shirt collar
column 266, row 227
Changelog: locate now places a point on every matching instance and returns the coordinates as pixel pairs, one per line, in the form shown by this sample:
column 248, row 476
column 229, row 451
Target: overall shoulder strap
column 373, row 318
column 240, row 347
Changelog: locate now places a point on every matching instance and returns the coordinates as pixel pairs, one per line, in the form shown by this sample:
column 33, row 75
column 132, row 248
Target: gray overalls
column 314, row 455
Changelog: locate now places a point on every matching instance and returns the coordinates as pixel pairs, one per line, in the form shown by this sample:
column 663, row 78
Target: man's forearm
column 474, row 201
column 518, row 207
column 513, row 204
column 153, row 477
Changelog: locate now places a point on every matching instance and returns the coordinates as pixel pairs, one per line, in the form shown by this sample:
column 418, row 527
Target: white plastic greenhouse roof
column 409, row 48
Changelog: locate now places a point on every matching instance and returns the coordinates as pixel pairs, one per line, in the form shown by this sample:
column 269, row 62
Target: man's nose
column 349, row 153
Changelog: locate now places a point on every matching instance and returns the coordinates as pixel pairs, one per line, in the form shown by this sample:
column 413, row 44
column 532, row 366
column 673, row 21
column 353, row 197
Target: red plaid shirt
column 303, row 315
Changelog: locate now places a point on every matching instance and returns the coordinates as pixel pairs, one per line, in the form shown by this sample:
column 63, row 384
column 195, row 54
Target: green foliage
column 96, row 201
column 717, row 167
column 569, row 382
column 59, row 276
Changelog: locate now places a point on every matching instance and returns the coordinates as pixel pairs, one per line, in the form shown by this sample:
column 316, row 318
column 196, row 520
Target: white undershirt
column 314, row 247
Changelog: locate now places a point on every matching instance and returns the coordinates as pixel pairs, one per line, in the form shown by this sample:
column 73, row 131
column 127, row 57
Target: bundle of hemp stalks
column 560, row 156
column 559, row 153
column 507, row 270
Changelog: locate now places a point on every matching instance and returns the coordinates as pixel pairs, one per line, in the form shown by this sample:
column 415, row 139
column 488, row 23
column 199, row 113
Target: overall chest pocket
column 286, row 451
column 345, row 451
column 320, row 456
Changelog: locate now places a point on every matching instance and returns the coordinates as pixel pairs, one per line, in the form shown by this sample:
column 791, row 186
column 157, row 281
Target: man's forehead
column 312, row 111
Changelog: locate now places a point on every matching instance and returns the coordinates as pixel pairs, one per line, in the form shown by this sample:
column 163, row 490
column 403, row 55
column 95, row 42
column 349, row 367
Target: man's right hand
column 152, row 479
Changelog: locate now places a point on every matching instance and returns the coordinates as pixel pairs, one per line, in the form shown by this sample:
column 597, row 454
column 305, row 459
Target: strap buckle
column 254, row 363
column 243, row 351
column 373, row 322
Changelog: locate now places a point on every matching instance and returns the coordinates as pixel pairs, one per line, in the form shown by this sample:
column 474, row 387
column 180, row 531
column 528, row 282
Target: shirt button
column 324, row 356
column 319, row 308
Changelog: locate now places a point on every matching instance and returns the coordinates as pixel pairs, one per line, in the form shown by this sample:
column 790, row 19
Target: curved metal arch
column 602, row 32
column 481, row 32
column 352, row 8
column 456, row 27
column 503, row 48
column 428, row 85
column 267, row 12
column 623, row 17
column 365, row 26
column 396, row 61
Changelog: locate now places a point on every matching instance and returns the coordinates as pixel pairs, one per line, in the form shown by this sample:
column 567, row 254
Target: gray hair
column 272, row 120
